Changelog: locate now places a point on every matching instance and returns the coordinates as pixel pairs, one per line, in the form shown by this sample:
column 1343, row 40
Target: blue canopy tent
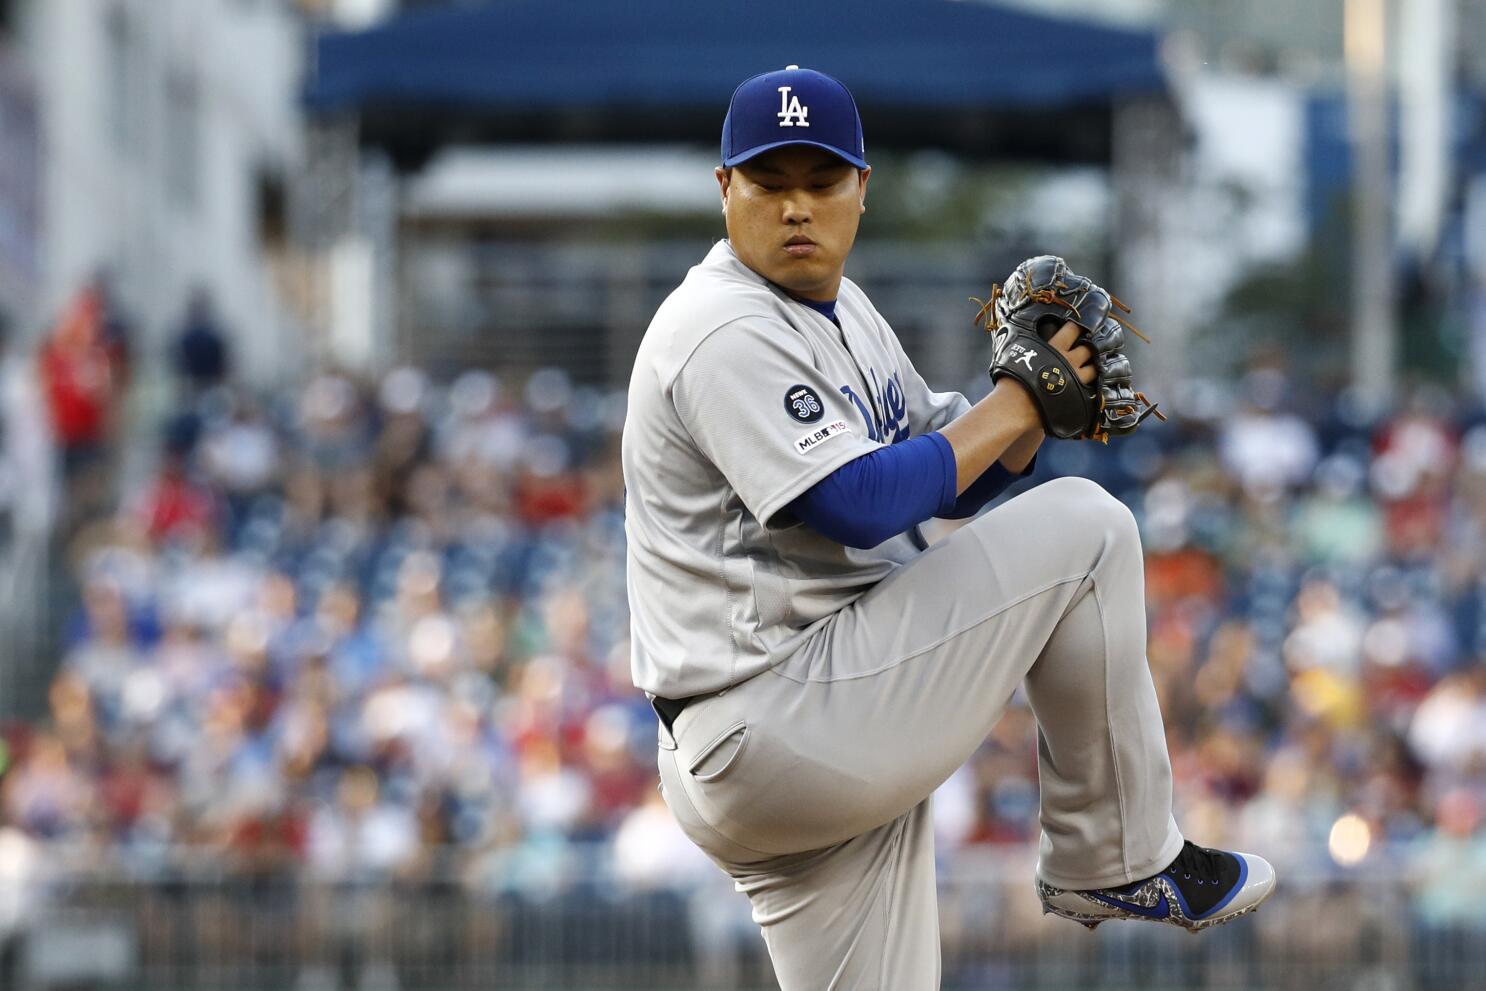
column 964, row 76
column 961, row 75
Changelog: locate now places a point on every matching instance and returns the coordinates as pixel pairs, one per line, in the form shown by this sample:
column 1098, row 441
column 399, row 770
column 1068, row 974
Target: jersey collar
column 722, row 253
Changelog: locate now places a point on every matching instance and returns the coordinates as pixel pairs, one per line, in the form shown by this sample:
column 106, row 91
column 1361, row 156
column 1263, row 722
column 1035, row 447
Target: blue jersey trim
column 827, row 309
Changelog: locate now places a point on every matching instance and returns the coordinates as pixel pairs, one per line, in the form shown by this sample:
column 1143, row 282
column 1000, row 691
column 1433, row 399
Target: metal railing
column 192, row 933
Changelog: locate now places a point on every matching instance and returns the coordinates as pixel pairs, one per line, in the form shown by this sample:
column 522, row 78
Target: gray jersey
column 741, row 399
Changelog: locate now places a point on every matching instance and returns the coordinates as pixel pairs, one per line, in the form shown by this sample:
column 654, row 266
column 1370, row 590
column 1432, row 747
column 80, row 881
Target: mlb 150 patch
column 803, row 403
column 816, row 438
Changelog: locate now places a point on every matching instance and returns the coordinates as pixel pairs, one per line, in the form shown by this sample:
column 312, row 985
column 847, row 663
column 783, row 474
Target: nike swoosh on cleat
column 1160, row 910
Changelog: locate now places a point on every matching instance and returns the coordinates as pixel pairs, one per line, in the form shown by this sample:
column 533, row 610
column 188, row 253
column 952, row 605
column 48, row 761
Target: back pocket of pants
column 721, row 755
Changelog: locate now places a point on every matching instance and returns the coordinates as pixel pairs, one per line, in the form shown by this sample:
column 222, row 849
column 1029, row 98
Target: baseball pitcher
column 816, row 667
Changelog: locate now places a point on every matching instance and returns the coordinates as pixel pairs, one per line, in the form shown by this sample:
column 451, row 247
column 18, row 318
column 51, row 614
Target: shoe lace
column 1195, row 862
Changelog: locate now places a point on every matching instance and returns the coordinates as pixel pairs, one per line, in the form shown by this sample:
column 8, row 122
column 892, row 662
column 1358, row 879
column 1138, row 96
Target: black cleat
column 1199, row 889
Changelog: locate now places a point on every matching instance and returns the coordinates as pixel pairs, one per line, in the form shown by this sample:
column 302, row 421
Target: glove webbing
column 1047, row 296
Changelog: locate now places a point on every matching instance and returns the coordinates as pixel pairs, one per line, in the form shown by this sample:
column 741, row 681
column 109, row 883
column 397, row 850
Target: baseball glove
column 1039, row 296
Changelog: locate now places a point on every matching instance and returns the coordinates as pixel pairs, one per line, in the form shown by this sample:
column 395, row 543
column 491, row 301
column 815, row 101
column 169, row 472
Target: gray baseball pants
column 810, row 783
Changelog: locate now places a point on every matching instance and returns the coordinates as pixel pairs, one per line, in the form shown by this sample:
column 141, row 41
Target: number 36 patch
column 802, row 403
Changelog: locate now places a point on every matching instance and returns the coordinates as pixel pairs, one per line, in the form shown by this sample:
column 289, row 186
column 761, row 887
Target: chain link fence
column 183, row 932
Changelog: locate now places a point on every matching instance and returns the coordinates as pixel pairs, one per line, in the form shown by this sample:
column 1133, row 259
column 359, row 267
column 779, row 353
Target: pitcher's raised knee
column 1081, row 502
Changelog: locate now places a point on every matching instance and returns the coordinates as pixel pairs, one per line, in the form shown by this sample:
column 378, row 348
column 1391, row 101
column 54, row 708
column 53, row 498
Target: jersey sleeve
column 764, row 415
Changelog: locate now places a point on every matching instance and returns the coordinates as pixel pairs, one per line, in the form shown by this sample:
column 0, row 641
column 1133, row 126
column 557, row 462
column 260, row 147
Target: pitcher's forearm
column 1022, row 450
column 989, row 430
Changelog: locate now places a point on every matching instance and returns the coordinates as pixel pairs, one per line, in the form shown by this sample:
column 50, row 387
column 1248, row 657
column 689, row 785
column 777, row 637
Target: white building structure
column 168, row 128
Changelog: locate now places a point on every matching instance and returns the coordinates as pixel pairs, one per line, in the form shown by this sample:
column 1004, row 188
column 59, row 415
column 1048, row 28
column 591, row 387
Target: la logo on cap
column 791, row 113
column 791, row 106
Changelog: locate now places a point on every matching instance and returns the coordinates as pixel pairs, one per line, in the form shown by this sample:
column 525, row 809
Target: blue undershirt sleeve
column 991, row 483
column 881, row 494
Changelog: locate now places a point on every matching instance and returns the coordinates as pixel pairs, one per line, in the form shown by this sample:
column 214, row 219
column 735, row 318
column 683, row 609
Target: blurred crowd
column 1317, row 633
column 368, row 627
column 377, row 629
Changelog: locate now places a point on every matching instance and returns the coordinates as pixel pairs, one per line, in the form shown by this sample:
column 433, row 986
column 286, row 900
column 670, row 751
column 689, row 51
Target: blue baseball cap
column 792, row 106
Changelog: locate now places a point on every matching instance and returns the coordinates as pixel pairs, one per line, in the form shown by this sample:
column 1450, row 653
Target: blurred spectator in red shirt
column 83, row 369
column 175, row 505
column 77, row 372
